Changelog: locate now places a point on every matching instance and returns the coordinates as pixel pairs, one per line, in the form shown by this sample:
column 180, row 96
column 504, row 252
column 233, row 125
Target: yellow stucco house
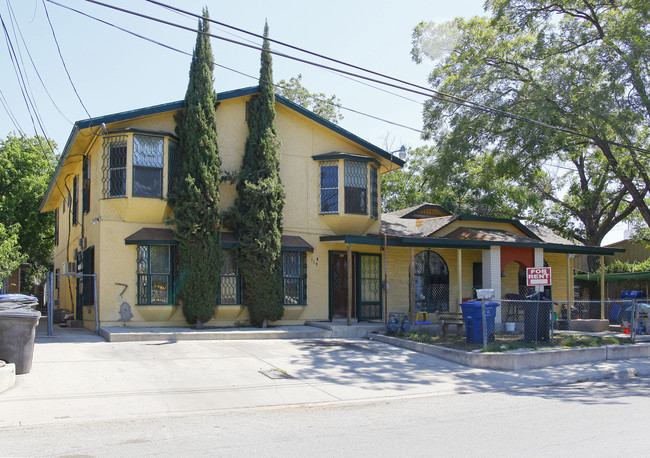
column 112, row 219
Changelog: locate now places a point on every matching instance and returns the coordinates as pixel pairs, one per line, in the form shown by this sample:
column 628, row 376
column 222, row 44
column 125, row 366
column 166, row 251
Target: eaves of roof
column 226, row 95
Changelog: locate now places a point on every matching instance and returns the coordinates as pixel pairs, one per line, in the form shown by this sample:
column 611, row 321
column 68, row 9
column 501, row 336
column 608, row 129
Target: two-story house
column 341, row 256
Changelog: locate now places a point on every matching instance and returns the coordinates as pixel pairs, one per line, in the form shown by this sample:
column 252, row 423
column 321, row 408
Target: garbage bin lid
column 19, row 313
column 17, row 297
column 632, row 294
column 470, row 304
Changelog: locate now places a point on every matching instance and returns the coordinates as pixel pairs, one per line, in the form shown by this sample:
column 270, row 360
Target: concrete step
column 125, row 334
column 342, row 330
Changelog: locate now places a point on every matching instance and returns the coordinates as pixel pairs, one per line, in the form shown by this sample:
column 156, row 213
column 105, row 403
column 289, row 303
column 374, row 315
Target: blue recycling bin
column 474, row 320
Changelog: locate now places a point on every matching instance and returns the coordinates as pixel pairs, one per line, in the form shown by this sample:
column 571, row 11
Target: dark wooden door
column 339, row 285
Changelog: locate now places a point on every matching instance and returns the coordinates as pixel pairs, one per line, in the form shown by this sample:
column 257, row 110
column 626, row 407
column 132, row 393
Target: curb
column 523, row 361
column 7, row 375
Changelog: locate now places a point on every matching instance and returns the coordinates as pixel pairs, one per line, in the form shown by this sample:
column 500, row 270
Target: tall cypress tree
column 195, row 197
column 257, row 215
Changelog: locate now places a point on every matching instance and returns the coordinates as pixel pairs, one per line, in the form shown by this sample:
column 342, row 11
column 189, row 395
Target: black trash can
column 18, row 322
column 537, row 318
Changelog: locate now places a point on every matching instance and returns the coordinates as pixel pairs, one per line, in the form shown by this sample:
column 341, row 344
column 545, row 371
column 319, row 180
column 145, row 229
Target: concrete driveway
column 82, row 377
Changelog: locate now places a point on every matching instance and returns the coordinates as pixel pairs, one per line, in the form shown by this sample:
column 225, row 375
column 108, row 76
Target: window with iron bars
column 356, row 184
column 154, row 270
column 374, row 193
column 329, row 187
column 114, row 166
column 229, row 281
column 75, row 200
column 85, row 185
column 294, row 277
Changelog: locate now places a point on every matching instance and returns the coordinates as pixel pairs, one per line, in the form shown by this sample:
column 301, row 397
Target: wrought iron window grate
column 356, row 182
column 374, row 193
column 294, row 277
column 114, row 166
column 329, row 187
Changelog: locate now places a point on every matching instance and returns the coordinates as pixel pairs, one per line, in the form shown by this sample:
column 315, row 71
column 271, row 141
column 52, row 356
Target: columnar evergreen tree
column 257, row 215
column 195, row 197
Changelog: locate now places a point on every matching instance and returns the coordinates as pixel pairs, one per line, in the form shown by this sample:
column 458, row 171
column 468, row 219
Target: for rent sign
column 538, row 276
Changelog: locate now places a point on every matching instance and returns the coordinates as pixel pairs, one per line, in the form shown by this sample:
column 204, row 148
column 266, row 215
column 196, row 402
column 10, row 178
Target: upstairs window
column 374, row 193
column 356, row 183
column 115, row 166
column 56, row 226
column 75, row 201
column 147, row 166
column 329, row 188
column 85, row 185
column 173, row 171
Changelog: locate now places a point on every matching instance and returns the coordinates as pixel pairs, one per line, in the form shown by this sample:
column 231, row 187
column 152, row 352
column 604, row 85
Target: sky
column 112, row 71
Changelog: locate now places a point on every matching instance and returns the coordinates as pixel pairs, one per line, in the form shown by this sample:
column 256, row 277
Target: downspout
column 385, row 279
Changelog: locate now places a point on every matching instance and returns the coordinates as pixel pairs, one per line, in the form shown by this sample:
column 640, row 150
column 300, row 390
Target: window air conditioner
column 69, row 268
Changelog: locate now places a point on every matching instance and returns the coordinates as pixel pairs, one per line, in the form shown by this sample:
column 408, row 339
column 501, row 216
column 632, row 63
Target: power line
column 14, row 21
column 58, row 48
column 151, row 40
column 13, row 119
column 18, row 72
column 428, row 91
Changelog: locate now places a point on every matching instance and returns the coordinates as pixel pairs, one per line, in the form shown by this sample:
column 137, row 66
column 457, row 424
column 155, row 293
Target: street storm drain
column 276, row 374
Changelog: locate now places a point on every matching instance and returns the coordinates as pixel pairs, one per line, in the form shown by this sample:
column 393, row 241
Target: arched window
column 431, row 282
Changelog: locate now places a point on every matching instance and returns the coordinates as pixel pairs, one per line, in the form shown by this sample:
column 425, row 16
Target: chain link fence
column 537, row 321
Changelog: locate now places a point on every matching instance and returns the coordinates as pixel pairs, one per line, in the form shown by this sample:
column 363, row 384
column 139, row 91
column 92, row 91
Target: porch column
column 349, row 284
column 412, row 287
column 492, row 274
column 459, row 274
column 569, row 277
column 602, row 287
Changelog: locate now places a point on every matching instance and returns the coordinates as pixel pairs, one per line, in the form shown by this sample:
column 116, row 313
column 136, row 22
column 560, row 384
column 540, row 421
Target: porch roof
column 289, row 242
column 437, row 242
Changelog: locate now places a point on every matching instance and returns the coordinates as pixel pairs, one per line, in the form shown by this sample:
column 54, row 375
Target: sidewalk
column 78, row 376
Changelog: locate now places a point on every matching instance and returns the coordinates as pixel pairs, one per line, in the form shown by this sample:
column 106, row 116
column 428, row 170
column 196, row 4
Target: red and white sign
column 538, row 276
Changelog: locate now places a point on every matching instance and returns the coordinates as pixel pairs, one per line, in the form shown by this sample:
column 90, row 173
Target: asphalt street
column 597, row 419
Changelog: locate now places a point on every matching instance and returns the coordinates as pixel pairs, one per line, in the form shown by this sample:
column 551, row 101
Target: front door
column 339, row 285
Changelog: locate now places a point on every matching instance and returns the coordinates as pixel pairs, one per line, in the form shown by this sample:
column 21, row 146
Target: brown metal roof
column 152, row 236
column 297, row 243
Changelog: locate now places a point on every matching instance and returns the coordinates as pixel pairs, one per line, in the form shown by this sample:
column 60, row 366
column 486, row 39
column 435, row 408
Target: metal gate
column 88, row 282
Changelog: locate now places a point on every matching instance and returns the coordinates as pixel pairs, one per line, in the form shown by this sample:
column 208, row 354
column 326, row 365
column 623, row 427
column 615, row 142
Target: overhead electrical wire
column 164, row 45
column 10, row 113
column 15, row 22
column 65, row 67
column 428, row 91
column 21, row 63
column 19, row 74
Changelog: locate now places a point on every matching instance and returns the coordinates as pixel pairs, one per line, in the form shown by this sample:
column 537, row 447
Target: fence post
column 602, row 287
column 484, row 324
column 633, row 321
column 50, row 303
column 96, row 303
